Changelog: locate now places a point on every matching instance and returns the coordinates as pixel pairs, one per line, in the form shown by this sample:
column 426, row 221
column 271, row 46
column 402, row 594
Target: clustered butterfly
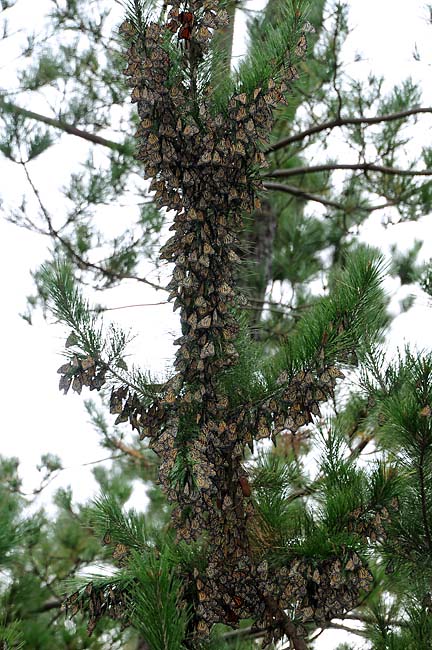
column 203, row 166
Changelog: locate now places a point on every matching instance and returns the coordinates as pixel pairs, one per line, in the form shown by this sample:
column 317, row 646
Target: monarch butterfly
column 187, row 20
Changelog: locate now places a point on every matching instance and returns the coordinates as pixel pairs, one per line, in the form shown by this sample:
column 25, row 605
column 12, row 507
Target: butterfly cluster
column 79, row 372
column 181, row 22
column 296, row 402
column 97, row 601
column 312, row 592
column 371, row 523
column 202, row 165
column 319, row 591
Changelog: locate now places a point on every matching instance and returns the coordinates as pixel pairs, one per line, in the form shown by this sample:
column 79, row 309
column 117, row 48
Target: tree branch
column 296, row 191
column 298, row 643
column 130, row 451
column 348, row 121
column 345, row 628
column 8, row 107
column 82, row 263
column 52, row 603
column 316, row 484
column 242, row 632
column 370, row 620
column 367, row 167
column 99, row 310
column 336, row 51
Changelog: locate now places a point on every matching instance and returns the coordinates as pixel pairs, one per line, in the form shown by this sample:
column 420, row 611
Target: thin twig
column 100, row 460
column 82, row 263
column 143, row 304
column 242, row 632
column 43, row 484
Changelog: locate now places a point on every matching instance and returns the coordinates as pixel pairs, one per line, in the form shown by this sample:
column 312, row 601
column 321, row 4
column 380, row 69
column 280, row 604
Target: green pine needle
column 158, row 610
column 126, row 528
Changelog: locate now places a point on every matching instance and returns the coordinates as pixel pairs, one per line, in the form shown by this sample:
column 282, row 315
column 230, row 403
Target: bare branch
column 100, row 460
column 243, row 632
column 367, row 167
column 348, row 121
column 142, row 304
column 130, row 451
column 345, row 628
column 8, row 107
column 370, row 620
column 296, row 191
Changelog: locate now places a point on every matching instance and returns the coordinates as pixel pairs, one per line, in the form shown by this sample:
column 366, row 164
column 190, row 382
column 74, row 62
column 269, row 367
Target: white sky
column 36, row 418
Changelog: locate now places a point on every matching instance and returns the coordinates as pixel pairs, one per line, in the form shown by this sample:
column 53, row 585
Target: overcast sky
column 36, row 418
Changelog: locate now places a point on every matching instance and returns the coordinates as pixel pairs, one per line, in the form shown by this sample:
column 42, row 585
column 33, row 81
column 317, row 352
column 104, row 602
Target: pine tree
column 248, row 538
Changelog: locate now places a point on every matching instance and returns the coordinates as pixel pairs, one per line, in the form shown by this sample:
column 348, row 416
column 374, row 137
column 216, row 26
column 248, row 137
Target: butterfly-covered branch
column 95, row 353
column 201, row 146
